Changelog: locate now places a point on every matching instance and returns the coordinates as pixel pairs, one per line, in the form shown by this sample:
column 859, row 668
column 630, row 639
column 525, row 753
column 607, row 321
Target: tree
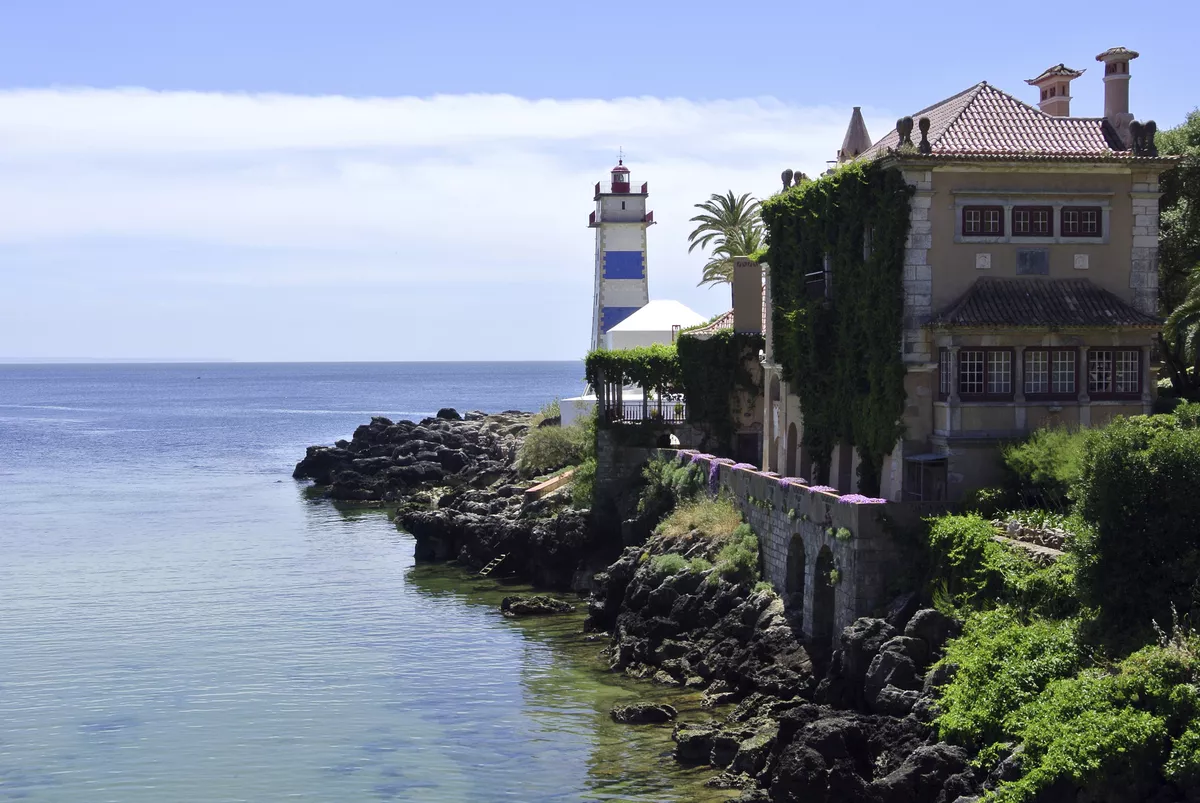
column 1179, row 255
column 732, row 227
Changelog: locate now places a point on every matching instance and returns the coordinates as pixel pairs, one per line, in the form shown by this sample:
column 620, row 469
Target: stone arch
column 792, row 445
column 794, row 586
column 823, row 596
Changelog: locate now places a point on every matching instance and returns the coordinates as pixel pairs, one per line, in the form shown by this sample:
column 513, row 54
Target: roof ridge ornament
column 904, row 127
column 1142, row 135
column 924, row 147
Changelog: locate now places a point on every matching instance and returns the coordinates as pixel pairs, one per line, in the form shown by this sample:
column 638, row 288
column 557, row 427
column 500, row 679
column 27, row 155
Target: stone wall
column 804, row 535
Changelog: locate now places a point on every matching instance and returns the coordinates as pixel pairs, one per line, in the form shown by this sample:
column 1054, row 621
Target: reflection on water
column 179, row 622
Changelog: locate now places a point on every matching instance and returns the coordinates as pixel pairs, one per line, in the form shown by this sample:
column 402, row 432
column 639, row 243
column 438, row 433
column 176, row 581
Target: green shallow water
column 178, row 622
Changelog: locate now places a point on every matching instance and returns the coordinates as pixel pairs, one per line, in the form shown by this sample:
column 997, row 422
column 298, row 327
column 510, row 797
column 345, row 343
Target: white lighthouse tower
column 620, row 221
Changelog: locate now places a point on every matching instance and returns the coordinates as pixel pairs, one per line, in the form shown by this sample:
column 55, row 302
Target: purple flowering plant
column 859, row 499
column 784, row 482
column 714, row 473
column 749, row 466
column 822, row 489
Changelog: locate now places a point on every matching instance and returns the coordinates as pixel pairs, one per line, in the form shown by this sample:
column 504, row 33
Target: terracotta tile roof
column 1057, row 71
column 983, row 121
column 722, row 321
column 1066, row 303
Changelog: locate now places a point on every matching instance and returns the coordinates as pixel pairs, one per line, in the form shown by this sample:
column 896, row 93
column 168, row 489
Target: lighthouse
column 620, row 220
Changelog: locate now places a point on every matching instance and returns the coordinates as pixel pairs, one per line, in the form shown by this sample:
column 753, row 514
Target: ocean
column 180, row 622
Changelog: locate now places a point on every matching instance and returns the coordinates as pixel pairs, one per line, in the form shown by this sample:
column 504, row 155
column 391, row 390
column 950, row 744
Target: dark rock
column 536, row 605
column 895, row 702
column 923, row 775
column 934, row 628
column 643, row 713
column 449, row 414
column 800, row 776
column 939, row 676
column 752, row 753
column 914, row 648
column 693, row 743
column 730, row 780
column 901, row 609
column 890, row 668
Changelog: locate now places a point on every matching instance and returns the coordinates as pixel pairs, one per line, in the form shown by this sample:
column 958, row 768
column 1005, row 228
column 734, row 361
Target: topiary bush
column 1139, row 492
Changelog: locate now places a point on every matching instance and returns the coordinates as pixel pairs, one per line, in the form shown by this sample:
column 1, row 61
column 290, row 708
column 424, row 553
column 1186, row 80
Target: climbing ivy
column 712, row 372
column 841, row 354
column 655, row 367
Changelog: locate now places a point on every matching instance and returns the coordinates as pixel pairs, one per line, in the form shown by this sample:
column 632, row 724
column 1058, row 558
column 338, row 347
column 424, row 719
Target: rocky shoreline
column 853, row 727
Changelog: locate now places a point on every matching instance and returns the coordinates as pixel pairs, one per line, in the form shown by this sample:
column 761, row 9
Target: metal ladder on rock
column 486, row 570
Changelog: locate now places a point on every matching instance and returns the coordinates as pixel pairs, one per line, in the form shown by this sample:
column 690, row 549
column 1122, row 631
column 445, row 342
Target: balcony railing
column 673, row 411
column 609, row 188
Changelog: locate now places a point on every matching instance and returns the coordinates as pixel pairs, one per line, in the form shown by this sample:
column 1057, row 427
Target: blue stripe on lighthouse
column 624, row 265
column 611, row 316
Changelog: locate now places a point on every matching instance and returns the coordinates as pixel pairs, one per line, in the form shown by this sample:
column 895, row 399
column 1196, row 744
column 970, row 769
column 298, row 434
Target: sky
column 264, row 180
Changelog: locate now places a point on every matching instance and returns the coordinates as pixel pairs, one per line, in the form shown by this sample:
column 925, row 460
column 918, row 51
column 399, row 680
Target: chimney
column 747, row 295
column 1116, row 90
column 1055, row 87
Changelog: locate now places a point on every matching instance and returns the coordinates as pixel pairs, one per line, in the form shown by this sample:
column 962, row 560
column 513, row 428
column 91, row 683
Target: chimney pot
column 1054, row 85
column 1116, row 90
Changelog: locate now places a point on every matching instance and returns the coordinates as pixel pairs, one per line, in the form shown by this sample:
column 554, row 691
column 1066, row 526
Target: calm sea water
column 179, row 623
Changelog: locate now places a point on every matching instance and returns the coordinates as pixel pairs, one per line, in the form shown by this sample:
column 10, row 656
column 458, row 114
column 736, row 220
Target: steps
column 486, row 570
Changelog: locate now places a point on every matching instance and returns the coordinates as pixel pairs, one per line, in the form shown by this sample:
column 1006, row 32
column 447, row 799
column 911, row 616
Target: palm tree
column 732, row 226
column 1181, row 342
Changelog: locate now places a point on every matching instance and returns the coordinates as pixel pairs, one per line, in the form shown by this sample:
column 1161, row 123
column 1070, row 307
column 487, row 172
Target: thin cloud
column 262, row 191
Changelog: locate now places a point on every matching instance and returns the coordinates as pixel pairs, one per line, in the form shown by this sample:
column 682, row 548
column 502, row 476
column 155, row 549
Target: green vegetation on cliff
column 1088, row 667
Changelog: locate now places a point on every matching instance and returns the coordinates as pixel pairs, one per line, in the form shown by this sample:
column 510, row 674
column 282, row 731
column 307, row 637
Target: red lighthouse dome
column 620, row 177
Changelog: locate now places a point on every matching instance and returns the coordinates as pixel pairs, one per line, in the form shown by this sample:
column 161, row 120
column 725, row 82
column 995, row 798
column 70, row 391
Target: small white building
column 657, row 322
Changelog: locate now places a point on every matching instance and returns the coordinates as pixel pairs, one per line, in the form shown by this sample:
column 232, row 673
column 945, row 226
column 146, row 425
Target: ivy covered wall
column 840, row 349
column 716, row 374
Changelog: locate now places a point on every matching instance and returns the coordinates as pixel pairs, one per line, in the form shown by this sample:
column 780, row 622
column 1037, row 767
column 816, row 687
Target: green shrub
column 738, row 559
column 667, row 483
column 1183, row 766
column 699, row 565
column 713, row 518
column 1188, row 414
column 1047, row 465
column 668, row 564
column 970, row 569
column 583, row 484
column 763, row 585
column 1105, row 730
column 550, row 448
column 1139, row 492
column 1002, row 663
column 551, row 409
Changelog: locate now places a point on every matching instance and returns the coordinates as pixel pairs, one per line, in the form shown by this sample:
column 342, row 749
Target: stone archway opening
column 823, row 598
column 792, row 446
column 794, row 587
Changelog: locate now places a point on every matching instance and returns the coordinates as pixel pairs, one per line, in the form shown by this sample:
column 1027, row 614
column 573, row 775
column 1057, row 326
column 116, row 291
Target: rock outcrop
column 535, row 605
column 862, row 734
column 387, row 461
column 644, row 713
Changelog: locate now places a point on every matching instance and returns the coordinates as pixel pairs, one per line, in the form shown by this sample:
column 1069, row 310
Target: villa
column 1030, row 280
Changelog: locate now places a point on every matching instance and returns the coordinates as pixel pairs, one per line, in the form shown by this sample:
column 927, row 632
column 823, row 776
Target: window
column 1114, row 372
column 999, row 373
column 1031, row 221
column 945, row 373
column 983, row 221
column 1050, row 373
column 1080, row 221
column 985, row 373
